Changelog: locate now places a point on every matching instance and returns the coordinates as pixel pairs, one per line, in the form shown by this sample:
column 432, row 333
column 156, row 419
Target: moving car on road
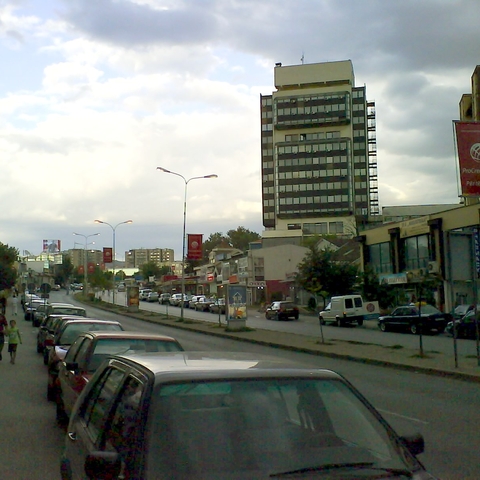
column 281, row 311
column 88, row 352
column 229, row 416
column 415, row 319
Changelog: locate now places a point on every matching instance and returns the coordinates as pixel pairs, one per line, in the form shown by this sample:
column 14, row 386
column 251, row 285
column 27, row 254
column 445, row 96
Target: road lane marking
column 386, row 412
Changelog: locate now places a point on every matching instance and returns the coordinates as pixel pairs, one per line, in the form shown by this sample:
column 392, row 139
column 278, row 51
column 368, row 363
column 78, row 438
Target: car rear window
column 73, row 330
column 68, row 311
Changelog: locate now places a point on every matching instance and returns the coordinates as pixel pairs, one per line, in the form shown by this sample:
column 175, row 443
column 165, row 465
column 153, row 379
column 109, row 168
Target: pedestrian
column 14, row 338
column 14, row 304
column 3, row 326
column 3, row 305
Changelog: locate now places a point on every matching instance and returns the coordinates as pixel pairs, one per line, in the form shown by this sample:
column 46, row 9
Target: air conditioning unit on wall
column 433, row 267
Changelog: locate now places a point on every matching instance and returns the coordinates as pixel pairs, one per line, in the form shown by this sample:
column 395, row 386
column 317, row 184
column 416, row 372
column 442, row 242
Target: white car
column 143, row 293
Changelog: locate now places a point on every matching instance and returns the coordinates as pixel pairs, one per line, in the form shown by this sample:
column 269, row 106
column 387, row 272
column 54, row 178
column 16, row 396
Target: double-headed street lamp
column 113, row 248
column 85, row 278
column 184, row 225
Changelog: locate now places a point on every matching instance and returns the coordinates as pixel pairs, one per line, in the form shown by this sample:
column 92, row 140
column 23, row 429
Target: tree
column 8, row 273
column 64, row 271
column 215, row 240
column 320, row 274
column 150, row 269
column 100, row 279
column 241, row 238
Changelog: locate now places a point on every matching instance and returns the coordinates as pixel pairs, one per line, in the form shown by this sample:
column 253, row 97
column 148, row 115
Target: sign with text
column 468, row 148
column 194, row 246
column 107, row 255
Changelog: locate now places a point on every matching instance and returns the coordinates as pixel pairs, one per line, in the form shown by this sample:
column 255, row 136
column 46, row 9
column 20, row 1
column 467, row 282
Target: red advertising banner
column 91, row 267
column 194, row 246
column 107, row 254
column 468, row 147
column 81, row 270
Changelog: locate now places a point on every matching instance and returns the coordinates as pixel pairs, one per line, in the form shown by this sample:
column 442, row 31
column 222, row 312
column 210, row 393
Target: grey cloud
column 131, row 25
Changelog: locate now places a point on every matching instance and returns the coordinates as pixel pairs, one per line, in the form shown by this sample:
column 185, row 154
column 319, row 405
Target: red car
column 64, row 337
column 88, row 352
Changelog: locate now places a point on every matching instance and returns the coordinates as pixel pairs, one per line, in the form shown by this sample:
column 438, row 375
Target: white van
column 348, row 309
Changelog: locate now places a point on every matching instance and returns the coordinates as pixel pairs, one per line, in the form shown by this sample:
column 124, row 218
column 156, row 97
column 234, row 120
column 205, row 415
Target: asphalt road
column 444, row 410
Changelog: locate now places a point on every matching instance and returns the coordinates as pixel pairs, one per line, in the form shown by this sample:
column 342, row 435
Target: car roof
column 133, row 335
column 92, row 320
column 184, row 366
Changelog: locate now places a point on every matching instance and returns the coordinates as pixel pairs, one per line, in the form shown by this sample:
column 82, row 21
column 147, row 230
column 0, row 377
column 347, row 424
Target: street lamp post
column 184, row 225
column 85, row 278
column 113, row 249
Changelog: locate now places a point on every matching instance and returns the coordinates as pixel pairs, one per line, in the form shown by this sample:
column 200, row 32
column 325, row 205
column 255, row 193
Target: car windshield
column 128, row 346
column 265, row 427
column 73, row 330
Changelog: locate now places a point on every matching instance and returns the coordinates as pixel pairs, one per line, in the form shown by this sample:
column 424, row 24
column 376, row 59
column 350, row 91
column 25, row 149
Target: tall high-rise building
column 318, row 139
column 160, row 256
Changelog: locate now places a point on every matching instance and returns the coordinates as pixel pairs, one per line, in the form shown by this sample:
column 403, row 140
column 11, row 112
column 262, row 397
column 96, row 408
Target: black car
column 415, row 319
column 466, row 327
column 229, row 416
column 281, row 311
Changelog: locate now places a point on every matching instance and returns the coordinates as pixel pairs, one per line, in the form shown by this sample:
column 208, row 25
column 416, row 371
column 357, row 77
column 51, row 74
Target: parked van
column 348, row 309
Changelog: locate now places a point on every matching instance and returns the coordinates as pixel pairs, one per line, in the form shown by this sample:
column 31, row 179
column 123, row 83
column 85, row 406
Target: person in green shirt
column 14, row 338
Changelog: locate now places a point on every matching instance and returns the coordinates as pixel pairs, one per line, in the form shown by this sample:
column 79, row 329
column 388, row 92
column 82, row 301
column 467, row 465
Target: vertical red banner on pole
column 107, row 254
column 468, row 147
column 194, row 246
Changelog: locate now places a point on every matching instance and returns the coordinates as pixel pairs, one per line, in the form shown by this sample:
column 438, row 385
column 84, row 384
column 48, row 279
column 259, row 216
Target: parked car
column 343, row 310
column 175, row 299
column 203, row 304
column 121, row 287
column 466, row 327
column 64, row 338
column 31, row 307
column 46, row 333
column 193, row 300
column 152, row 416
column 164, row 298
column 281, row 311
column 218, row 306
column 416, row 319
column 88, row 352
column 27, row 297
column 143, row 293
column 153, row 297
column 57, row 309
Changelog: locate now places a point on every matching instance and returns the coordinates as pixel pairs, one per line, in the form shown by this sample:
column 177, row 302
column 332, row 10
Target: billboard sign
column 107, row 255
column 468, row 148
column 51, row 246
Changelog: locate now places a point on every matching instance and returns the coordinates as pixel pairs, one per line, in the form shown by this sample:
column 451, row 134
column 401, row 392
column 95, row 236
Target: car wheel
column 338, row 322
column 360, row 322
column 296, row 316
column 277, row 317
column 267, row 316
column 322, row 321
column 39, row 348
column 383, row 327
column 45, row 357
column 414, row 329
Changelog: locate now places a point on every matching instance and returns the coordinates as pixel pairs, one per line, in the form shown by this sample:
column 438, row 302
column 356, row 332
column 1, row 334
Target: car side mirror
column 103, row 465
column 73, row 366
column 415, row 443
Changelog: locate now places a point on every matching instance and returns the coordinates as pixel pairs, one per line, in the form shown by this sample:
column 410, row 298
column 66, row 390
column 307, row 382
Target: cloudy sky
column 95, row 94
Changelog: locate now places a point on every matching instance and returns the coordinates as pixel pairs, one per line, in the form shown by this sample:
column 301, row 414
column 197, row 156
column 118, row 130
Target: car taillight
column 49, row 342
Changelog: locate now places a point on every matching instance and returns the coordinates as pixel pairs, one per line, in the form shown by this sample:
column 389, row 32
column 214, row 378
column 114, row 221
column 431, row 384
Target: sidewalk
column 434, row 363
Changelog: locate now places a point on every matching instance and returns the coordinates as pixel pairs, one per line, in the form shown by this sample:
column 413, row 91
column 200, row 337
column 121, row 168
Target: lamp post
column 184, row 224
column 113, row 248
column 85, row 278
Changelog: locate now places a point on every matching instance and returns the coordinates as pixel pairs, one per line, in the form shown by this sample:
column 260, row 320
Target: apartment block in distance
column 319, row 164
column 137, row 257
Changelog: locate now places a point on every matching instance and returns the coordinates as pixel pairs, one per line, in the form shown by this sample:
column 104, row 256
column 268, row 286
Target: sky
column 95, row 95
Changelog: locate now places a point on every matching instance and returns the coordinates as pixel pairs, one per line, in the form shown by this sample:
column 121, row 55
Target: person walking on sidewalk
column 3, row 326
column 14, row 304
column 14, row 338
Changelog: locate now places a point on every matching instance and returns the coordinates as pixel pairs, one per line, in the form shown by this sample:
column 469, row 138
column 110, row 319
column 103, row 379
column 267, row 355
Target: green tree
column 64, row 271
column 320, row 274
column 8, row 273
column 100, row 279
column 215, row 240
column 150, row 269
column 241, row 238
